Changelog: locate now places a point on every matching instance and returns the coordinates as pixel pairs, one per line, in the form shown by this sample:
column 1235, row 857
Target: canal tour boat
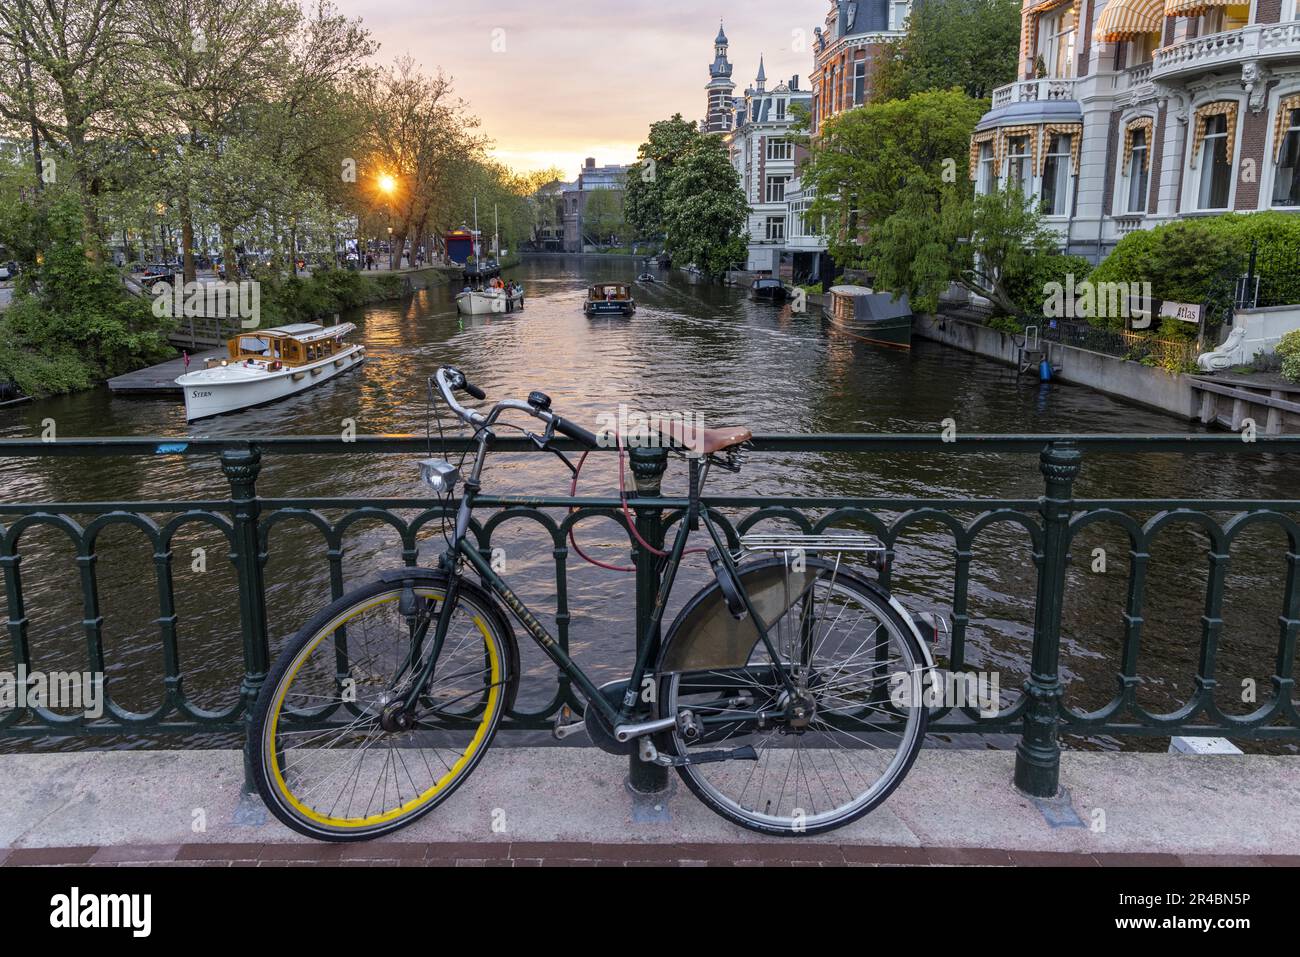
column 268, row 364
column 483, row 292
column 875, row 317
column 609, row 299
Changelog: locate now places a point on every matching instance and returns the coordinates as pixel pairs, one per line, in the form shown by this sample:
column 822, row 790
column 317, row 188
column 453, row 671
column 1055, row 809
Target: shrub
column 1027, row 287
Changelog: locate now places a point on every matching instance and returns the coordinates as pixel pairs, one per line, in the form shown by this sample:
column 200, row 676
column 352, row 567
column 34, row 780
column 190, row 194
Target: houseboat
column 268, row 364
column 609, row 299
column 876, row 317
column 766, row 289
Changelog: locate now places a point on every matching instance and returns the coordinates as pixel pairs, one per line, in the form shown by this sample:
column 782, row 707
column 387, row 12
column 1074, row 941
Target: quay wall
column 1121, row 378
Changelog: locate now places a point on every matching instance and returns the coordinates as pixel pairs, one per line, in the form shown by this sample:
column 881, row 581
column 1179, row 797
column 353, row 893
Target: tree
column 886, row 169
column 973, row 45
column 603, row 216
column 704, row 208
column 62, row 76
column 648, row 179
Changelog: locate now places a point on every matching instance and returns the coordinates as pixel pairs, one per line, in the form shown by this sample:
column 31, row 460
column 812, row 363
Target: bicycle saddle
column 707, row 441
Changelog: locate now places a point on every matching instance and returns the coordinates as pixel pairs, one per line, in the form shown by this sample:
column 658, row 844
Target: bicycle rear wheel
column 825, row 755
column 322, row 759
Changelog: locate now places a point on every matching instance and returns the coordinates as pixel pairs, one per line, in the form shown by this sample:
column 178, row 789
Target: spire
column 762, row 74
column 722, row 36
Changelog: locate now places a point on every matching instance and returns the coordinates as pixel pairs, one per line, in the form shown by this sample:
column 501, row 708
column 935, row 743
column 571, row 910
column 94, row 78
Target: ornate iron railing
column 1049, row 522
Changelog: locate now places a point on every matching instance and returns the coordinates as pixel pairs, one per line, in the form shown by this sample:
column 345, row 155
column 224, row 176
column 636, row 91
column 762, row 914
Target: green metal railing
column 1049, row 522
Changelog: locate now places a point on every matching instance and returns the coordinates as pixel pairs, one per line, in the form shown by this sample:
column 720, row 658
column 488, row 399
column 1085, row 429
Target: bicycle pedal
column 566, row 723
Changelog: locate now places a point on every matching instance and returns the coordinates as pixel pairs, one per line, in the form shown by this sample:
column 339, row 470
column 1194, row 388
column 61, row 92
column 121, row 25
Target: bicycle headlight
column 439, row 474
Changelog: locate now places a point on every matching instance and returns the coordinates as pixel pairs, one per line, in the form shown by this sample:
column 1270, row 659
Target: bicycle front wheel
column 823, row 754
column 323, row 760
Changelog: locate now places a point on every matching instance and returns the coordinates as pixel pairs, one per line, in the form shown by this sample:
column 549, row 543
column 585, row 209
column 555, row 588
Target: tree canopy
column 973, row 45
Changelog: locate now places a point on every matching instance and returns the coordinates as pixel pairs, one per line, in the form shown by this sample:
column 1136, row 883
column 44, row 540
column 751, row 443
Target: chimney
column 794, row 82
column 591, row 162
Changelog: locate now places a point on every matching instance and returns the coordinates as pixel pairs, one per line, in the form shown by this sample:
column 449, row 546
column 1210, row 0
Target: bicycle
column 774, row 693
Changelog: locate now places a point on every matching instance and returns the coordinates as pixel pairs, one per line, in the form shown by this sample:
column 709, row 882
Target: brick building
column 1132, row 113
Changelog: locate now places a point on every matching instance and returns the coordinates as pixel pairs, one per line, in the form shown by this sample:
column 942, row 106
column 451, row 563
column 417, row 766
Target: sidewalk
column 527, row 806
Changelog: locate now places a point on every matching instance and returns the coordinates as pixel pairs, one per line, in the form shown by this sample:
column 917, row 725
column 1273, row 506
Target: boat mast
column 496, row 239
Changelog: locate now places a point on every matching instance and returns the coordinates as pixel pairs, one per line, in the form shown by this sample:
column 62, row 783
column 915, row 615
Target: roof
column 721, row 37
column 1031, row 111
column 306, row 331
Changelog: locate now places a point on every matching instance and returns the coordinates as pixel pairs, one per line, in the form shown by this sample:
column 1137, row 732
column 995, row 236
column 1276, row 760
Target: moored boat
column 767, row 289
column 877, row 317
column 609, row 299
column 268, row 364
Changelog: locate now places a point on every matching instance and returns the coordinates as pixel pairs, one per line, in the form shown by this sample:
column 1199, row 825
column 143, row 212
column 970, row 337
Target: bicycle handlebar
column 450, row 379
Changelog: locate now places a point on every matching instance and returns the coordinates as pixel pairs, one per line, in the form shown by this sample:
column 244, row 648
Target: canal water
column 691, row 347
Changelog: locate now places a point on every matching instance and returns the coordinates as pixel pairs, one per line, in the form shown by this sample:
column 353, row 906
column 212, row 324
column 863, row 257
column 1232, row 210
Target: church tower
column 721, row 114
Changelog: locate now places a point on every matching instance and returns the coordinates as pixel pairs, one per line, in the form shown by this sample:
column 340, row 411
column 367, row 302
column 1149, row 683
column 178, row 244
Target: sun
column 386, row 183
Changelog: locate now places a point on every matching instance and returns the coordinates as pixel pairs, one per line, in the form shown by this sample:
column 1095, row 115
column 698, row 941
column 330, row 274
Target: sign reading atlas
column 210, row 300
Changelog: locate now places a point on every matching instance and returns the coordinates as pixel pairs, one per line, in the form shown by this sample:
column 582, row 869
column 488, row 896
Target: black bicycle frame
column 462, row 548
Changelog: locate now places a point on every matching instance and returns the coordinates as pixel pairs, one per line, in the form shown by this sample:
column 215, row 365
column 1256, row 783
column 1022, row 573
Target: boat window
column 253, row 345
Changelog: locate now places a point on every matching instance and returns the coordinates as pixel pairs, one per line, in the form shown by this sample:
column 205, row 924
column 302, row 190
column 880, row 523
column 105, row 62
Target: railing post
column 1038, row 755
column 648, row 466
column 241, row 468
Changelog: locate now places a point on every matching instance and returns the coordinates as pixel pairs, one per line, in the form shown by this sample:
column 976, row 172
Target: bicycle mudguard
column 436, row 576
column 712, row 637
column 705, row 636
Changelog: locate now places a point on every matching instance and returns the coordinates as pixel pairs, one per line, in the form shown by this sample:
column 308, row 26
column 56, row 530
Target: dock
column 1269, row 400
column 160, row 379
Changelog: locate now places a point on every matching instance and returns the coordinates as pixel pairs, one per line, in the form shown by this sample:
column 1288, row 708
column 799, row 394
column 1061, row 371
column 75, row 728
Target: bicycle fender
column 417, row 575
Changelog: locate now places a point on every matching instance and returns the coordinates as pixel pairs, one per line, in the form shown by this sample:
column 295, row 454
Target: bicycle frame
column 462, row 548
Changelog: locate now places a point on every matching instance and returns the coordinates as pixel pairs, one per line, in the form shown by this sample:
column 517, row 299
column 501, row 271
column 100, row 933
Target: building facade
column 577, row 195
column 1132, row 113
column 765, row 156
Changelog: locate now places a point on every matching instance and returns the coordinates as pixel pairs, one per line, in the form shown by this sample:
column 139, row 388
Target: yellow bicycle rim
column 420, row 800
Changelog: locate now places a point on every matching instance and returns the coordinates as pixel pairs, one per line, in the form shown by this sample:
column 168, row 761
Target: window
column 1138, row 167
column 1216, row 174
column 859, row 82
column 1223, row 19
column 1018, row 163
column 780, row 107
column 1056, row 177
column 779, row 149
column 775, row 228
column 1286, row 184
column 986, row 174
column 1056, row 42
column 898, row 15
column 776, row 189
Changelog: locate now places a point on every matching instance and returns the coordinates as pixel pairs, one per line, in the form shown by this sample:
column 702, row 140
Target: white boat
column 268, row 364
column 479, row 302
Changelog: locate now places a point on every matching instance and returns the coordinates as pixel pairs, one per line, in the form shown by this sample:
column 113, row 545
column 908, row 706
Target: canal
column 698, row 348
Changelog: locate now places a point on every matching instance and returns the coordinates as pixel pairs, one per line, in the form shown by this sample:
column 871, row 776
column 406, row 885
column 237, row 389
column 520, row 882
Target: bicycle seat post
column 648, row 466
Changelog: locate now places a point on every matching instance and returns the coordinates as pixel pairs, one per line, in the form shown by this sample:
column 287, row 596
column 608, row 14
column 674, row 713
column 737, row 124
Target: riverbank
column 572, row 803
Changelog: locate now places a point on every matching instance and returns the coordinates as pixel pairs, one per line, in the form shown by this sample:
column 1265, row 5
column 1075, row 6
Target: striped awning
column 1126, row 19
column 1194, row 8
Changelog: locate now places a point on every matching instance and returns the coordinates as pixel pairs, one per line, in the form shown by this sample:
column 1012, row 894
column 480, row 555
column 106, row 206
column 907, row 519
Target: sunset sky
column 583, row 78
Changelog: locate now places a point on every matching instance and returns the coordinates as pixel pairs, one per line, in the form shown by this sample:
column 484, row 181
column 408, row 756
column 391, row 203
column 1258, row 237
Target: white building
column 766, row 157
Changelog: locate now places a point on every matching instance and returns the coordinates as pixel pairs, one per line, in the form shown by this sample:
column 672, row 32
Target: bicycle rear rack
column 789, row 543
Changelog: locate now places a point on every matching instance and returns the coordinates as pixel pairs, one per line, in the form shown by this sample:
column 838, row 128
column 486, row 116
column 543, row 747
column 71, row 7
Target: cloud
column 570, row 78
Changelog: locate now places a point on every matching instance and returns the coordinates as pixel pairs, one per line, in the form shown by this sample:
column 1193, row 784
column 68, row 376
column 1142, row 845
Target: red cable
column 627, row 514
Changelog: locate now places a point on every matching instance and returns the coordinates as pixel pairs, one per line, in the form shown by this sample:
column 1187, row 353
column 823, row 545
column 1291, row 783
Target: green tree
column 649, row 177
column 603, row 217
column 973, row 45
column 704, row 208
column 883, row 175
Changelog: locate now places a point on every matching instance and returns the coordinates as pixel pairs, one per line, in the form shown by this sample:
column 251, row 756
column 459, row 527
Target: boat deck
column 160, row 379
